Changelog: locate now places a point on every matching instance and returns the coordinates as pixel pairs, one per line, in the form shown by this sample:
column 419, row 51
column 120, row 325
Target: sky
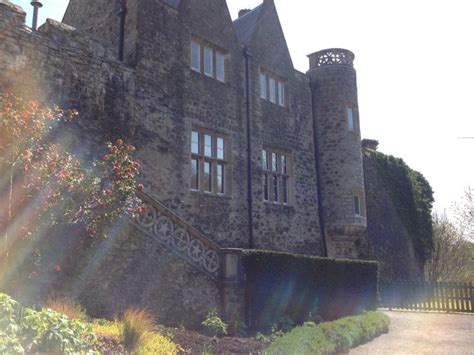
column 414, row 61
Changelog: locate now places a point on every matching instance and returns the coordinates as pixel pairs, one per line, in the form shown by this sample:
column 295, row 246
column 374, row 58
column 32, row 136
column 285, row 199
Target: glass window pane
column 350, row 118
column 283, row 164
column 220, row 179
column 274, row 162
column 264, row 160
column 265, row 187
column 195, row 56
column 281, row 94
column 207, row 177
column 220, row 148
column 284, row 189
column 208, row 145
column 263, row 86
column 194, row 174
column 195, row 142
column 208, row 69
column 357, row 205
column 220, row 66
column 272, row 90
column 275, row 188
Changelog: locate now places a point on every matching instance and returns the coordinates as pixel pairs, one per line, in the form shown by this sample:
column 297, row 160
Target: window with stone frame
column 359, row 203
column 208, row 59
column 276, row 177
column 272, row 88
column 209, row 162
column 350, row 118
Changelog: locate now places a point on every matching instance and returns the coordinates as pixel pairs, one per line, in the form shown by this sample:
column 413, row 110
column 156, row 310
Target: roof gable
column 245, row 25
column 211, row 21
column 264, row 35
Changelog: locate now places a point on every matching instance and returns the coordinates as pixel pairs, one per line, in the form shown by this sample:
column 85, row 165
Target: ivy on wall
column 412, row 197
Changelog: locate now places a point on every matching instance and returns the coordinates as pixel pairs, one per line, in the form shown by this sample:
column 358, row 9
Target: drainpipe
column 122, row 15
column 248, row 55
column 322, row 223
column 36, row 5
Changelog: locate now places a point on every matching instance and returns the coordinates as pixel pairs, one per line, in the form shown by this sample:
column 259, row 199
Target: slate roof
column 245, row 25
column 172, row 3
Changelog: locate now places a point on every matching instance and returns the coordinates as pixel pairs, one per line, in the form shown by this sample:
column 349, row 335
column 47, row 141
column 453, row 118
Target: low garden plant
column 67, row 306
column 24, row 330
column 331, row 337
column 213, row 325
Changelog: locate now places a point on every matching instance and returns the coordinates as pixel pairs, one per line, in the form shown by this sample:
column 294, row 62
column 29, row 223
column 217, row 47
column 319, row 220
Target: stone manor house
column 233, row 139
column 239, row 149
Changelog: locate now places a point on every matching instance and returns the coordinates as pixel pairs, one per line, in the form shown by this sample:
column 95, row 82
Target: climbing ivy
column 412, row 197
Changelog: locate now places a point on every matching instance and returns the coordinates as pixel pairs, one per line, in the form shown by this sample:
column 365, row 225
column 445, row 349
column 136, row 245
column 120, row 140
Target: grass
column 72, row 309
column 150, row 342
column 105, row 328
column 331, row 337
column 137, row 325
column 155, row 343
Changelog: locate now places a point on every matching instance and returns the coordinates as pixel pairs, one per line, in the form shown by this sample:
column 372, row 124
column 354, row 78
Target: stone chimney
column 244, row 12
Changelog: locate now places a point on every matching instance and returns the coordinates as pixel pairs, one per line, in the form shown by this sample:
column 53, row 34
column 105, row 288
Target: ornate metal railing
column 332, row 56
column 178, row 236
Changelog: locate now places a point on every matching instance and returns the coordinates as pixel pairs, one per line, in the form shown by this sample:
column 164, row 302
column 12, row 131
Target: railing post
column 471, row 296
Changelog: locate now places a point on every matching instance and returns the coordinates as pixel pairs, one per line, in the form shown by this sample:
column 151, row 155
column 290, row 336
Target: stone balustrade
column 181, row 238
column 332, row 56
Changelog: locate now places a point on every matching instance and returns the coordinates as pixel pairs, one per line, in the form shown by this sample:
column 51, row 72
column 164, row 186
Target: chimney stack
column 244, row 12
column 36, row 5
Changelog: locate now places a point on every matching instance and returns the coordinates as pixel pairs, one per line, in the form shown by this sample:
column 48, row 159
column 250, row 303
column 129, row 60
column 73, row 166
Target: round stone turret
column 339, row 153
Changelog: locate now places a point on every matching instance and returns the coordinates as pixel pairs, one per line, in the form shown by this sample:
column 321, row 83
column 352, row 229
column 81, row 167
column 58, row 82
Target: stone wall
column 135, row 270
column 294, row 227
column 60, row 64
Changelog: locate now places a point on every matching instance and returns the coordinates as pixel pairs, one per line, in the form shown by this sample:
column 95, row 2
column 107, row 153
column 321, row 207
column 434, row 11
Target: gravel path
column 424, row 333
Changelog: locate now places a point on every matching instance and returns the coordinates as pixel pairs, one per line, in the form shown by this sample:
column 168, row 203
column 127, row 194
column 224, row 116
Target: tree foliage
column 452, row 259
column 464, row 214
column 412, row 197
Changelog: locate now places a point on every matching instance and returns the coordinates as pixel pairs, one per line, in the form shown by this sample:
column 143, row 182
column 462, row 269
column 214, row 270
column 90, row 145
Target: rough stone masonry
column 239, row 145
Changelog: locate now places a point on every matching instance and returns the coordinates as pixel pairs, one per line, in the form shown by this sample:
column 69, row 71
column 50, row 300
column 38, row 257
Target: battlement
column 11, row 14
column 51, row 37
column 331, row 56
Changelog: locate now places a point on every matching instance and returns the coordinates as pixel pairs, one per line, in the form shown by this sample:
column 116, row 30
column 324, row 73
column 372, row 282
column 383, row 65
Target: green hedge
column 283, row 286
column 331, row 337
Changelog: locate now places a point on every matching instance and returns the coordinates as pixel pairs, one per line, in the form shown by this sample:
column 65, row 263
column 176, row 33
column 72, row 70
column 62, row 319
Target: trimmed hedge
column 283, row 286
column 331, row 337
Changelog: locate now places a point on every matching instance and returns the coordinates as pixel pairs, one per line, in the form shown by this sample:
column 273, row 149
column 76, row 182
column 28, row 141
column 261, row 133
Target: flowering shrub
column 47, row 185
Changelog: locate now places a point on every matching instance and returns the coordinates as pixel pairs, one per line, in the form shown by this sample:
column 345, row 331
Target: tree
column 464, row 214
column 453, row 256
column 42, row 184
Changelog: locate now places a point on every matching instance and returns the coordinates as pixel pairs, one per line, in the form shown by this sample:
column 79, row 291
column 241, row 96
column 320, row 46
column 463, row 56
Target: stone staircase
column 179, row 237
